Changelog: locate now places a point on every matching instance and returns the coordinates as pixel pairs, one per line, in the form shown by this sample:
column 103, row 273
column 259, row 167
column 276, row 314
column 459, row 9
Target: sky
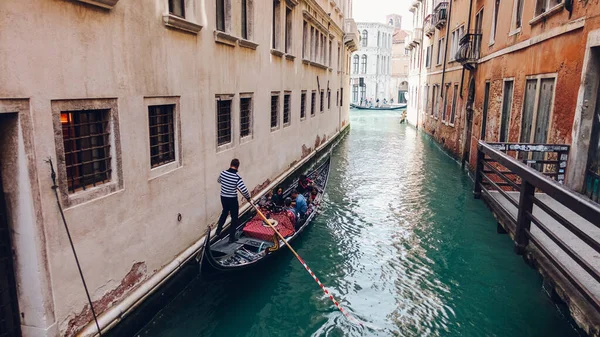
column 376, row 10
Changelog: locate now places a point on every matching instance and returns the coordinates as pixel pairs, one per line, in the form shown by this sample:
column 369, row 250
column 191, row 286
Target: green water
column 401, row 243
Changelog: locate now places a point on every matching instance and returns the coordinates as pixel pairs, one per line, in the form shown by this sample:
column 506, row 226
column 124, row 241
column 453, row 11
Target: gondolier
column 230, row 182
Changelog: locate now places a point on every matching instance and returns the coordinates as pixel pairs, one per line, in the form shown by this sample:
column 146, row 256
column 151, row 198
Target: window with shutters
column 507, row 97
column 517, row 21
column 544, row 6
column 494, row 21
column 224, row 16
column 453, row 110
column 440, row 51
column 247, row 19
column 287, row 97
column 274, row 111
column 445, row 105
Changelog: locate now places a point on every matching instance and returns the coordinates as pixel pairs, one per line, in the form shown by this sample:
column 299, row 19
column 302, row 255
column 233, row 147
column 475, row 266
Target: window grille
column 286, row 108
column 303, row 105
column 162, row 134
column 274, row 111
column 313, row 99
column 86, row 137
column 245, row 116
column 328, row 99
column 223, row 121
column 321, row 102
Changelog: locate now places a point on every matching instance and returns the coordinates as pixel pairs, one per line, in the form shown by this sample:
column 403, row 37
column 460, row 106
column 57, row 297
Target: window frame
column 504, row 81
column 250, row 135
column 313, row 103
column 150, row 126
column 321, row 101
column 288, row 29
column 303, row 97
column 116, row 180
column 363, row 64
column 226, row 16
column 230, row 144
column 287, row 94
column 452, row 119
column 277, row 108
column 538, row 78
column 364, row 38
column 441, row 47
column 170, row 4
column 494, row 27
column 517, row 21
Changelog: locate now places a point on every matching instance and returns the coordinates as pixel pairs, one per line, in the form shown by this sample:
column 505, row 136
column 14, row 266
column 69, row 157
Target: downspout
column 462, row 76
column 446, row 48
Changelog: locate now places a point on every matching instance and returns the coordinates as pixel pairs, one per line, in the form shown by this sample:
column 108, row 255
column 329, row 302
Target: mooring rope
column 340, row 308
column 62, row 214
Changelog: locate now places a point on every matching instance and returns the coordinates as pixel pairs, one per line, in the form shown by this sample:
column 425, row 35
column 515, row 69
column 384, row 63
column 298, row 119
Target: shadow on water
column 401, row 243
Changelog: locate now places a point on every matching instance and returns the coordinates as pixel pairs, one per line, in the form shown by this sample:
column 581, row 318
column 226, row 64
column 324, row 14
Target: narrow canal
column 401, row 243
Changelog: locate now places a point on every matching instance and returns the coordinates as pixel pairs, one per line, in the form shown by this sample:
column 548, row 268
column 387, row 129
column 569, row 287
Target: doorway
column 9, row 310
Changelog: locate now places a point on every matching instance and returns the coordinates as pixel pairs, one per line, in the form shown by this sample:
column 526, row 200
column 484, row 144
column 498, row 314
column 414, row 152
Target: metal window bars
column 274, row 110
column 162, row 134
column 313, row 98
column 245, row 116
column 86, row 138
column 223, row 121
column 321, row 101
column 303, row 105
column 286, row 108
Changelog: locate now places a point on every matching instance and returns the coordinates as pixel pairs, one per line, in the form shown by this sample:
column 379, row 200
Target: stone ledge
column 276, row 52
column 547, row 14
column 247, row 44
column 108, row 4
column 226, row 39
column 182, row 24
column 290, row 57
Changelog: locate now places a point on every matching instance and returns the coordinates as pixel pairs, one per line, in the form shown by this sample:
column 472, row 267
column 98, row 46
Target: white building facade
column 139, row 105
column 371, row 65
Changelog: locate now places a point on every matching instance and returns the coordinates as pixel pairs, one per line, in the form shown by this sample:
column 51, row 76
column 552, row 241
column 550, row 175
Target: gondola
column 256, row 242
column 384, row 107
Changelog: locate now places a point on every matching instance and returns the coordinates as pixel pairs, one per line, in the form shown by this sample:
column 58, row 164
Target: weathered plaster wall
column 61, row 50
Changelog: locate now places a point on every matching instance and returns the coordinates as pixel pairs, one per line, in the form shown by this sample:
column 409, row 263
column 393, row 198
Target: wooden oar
column 266, row 221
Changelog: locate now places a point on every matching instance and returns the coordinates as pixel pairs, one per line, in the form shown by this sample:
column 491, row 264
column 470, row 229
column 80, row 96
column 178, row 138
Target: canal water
column 401, row 243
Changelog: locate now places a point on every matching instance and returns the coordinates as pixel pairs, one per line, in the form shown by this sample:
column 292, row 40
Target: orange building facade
column 519, row 71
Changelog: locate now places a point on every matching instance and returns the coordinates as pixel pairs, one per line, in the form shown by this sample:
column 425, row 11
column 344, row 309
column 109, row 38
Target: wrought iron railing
column 440, row 13
column 469, row 50
column 428, row 26
column 498, row 172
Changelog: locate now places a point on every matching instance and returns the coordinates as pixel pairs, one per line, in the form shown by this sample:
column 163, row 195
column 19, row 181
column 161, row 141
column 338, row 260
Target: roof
column 399, row 35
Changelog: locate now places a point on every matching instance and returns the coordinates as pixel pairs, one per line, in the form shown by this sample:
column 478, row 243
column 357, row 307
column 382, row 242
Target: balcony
column 469, row 50
column 351, row 37
column 440, row 13
column 416, row 37
column 407, row 42
column 415, row 4
column 428, row 26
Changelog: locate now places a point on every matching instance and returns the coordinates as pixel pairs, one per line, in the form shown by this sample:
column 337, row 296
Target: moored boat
column 256, row 242
column 382, row 107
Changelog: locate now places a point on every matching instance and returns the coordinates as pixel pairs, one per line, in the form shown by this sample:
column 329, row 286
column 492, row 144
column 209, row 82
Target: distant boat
column 382, row 107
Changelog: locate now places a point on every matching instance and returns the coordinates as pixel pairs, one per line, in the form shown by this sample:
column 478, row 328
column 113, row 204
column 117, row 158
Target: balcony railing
column 351, row 36
column 469, row 50
column 440, row 13
column 428, row 26
column 416, row 37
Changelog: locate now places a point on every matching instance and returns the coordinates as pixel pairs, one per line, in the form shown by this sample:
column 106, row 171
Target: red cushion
column 255, row 228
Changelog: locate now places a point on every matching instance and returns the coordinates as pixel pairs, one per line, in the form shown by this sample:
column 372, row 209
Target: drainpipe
column 446, row 48
column 462, row 76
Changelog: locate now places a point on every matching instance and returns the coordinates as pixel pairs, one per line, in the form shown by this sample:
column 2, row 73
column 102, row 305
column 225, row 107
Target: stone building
column 394, row 20
column 400, row 65
column 139, row 105
column 518, row 71
column 371, row 65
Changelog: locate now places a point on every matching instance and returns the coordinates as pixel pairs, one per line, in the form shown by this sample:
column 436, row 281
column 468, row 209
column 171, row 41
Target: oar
column 265, row 220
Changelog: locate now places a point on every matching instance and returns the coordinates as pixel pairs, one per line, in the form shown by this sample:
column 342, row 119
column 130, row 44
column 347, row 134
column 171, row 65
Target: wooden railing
column 501, row 172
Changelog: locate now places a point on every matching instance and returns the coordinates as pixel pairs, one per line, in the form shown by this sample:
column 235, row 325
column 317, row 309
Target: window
column 433, row 101
column 86, row 138
column 337, row 98
column 486, row 103
column 312, row 44
column 453, row 110
column 322, row 101
column 445, row 106
column 245, row 19
column 313, row 98
column 426, row 100
column 363, row 92
column 428, row 57
column 330, row 51
column 303, row 104
column 363, row 64
column 341, row 96
column 245, row 115
column 506, row 108
column 542, row 6
column 440, row 54
column 355, row 93
column 275, row 24
column 304, row 39
column 339, row 57
column 221, row 15
column 495, row 21
column 365, row 38
column 288, row 29
column 274, row 110
column 328, row 99
column 378, row 38
column 518, row 14
column 223, row 120
column 355, row 64
column 177, row 7
column 456, row 36
column 286, row 108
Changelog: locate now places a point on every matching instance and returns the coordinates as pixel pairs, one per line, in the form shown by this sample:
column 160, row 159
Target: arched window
column 363, row 65
column 365, row 38
column 355, row 64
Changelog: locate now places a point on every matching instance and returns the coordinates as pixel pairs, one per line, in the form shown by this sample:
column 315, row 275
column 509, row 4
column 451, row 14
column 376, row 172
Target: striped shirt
column 230, row 181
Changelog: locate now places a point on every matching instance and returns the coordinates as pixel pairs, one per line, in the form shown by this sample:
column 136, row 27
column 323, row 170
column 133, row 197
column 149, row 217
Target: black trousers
column 230, row 205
